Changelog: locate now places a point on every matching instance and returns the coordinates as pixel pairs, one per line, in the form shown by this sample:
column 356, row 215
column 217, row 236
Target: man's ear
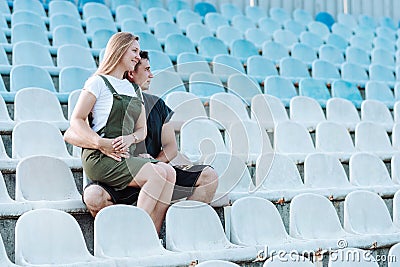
column 129, row 76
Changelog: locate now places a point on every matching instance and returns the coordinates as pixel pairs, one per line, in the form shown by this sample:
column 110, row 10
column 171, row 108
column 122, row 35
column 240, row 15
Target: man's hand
column 146, row 156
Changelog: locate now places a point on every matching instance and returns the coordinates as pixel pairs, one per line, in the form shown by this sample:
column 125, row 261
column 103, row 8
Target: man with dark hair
column 195, row 182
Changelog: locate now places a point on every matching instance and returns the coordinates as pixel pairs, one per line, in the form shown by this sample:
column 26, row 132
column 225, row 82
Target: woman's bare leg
column 156, row 182
column 162, row 205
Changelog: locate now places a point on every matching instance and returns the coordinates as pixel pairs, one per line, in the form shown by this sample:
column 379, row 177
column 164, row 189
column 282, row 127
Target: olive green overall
column 97, row 166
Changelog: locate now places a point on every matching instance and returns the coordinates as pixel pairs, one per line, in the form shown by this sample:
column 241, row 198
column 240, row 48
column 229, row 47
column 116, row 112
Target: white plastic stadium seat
column 268, row 110
column 138, row 247
column 40, row 241
column 195, row 227
column 288, row 259
column 217, row 263
column 48, row 141
column 37, row 172
column 306, row 111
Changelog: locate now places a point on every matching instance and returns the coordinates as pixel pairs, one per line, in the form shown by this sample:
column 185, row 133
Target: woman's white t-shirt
column 104, row 98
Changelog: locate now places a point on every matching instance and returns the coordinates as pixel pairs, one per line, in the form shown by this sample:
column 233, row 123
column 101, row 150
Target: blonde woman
column 108, row 121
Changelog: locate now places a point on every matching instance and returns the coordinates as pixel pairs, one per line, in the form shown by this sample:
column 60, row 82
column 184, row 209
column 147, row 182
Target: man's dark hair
column 143, row 55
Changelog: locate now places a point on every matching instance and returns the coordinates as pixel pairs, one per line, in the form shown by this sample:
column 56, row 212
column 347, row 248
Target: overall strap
column 109, row 85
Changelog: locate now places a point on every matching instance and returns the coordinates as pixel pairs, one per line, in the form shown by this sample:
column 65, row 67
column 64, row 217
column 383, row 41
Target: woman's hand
column 122, row 143
column 106, row 147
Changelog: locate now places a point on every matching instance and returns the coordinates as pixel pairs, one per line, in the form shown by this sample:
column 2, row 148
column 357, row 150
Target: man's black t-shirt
column 157, row 113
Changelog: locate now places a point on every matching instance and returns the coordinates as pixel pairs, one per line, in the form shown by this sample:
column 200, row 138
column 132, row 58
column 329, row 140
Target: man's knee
column 96, row 198
column 208, row 177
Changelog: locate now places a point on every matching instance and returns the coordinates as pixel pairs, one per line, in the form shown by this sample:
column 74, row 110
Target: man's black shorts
column 186, row 179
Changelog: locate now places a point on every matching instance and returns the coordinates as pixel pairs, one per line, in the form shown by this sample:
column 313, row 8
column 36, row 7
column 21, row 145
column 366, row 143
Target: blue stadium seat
column 337, row 41
column 382, row 73
column 255, row 13
column 311, row 39
column 23, row 76
column 354, row 73
column 268, row 25
column 176, row 44
column 383, row 57
column 364, row 31
column 384, row 43
column 5, row 66
column 387, row 33
column 134, row 26
column 293, row 69
column 146, row 5
column 387, row 22
column 93, row 9
column 279, row 14
column 214, row 20
column 186, row 17
column 381, row 92
column 196, row 31
column 165, row 82
column 358, row 55
column 203, row 8
column 319, row 29
column 259, row 67
column 204, row 85
column 347, row 90
column 347, row 20
column 243, row 49
column 324, row 70
column 285, row 37
column 71, row 79
column 242, row 23
column 163, row 29
column 209, row 47
column 294, row 26
column 281, row 88
column 302, row 16
column 325, row 18
column 304, row 53
column 75, row 56
column 229, row 10
column 367, row 21
column 124, row 12
column 257, row 37
column 361, row 42
column 243, row 86
column 226, row 65
column 342, row 30
column 114, row 4
column 157, row 14
column 274, row 51
column 315, row 89
column 149, row 41
column 159, row 61
column 228, row 34
column 174, row 6
column 60, row 19
column 188, row 63
column 29, row 32
column 26, row 16
column 30, row 5
column 64, row 7
column 100, row 39
column 331, row 54
column 97, row 23
column 65, row 34
column 27, row 52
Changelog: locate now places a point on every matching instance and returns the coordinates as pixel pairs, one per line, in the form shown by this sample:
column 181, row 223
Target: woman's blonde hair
column 116, row 47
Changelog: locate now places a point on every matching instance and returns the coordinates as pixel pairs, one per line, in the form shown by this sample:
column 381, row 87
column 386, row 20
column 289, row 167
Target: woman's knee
column 170, row 175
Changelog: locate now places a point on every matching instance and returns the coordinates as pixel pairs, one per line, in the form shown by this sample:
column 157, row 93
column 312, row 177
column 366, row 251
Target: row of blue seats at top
column 228, row 10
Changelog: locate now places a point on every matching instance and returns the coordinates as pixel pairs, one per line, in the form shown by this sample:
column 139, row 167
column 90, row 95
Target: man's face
column 142, row 76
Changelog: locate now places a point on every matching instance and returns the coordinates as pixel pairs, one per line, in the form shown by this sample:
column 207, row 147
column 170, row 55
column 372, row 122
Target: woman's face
column 131, row 56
